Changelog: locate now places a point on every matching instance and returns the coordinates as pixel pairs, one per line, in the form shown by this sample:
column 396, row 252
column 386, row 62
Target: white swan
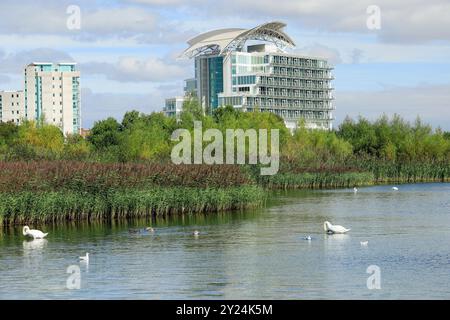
column 36, row 234
column 364, row 243
column 196, row 233
column 355, row 190
column 395, row 188
column 329, row 228
column 85, row 258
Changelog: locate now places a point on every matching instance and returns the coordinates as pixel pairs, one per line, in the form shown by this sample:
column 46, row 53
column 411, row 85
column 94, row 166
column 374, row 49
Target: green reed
column 43, row 207
column 317, row 180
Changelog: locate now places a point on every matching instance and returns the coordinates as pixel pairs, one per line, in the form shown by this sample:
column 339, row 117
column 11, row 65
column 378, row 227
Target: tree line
column 142, row 137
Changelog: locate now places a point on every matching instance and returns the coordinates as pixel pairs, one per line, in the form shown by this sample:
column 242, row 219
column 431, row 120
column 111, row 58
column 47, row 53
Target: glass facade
column 215, row 70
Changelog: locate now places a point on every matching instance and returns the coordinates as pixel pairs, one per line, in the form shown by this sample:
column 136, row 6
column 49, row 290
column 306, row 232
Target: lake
column 259, row 254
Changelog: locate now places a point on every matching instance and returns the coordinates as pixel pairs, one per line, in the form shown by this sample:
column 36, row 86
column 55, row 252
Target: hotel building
column 251, row 70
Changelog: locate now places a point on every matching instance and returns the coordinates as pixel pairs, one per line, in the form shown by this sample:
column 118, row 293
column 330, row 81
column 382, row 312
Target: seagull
column 395, row 188
column 149, row 229
column 355, row 190
column 36, row 234
column 85, row 258
column 196, row 233
column 364, row 243
column 329, row 228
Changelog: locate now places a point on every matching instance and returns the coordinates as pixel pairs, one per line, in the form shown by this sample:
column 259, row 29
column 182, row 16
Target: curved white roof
column 223, row 41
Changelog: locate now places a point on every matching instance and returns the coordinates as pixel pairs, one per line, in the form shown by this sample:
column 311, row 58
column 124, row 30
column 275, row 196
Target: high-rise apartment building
column 52, row 93
column 251, row 70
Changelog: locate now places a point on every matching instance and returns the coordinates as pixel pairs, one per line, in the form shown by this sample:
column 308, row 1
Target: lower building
column 12, row 107
column 174, row 106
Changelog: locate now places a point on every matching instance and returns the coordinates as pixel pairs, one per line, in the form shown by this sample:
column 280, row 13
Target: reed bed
column 101, row 177
column 45, row 207
column 390, row 172
column 317, row 180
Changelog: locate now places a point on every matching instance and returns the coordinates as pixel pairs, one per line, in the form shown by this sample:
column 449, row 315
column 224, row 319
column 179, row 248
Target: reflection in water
column 36, row 244
column 259, row 254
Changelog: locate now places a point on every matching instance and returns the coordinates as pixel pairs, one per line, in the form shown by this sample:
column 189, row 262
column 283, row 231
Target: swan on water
column 36, row 234
column 364, row 243
column 329, row 228
column 149, row 229
column 196, row 233
column 307, row 238
column 395, row 188
column 355, row 190
column 85, row 258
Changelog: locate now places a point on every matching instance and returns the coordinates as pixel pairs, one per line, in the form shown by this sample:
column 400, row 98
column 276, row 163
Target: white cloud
column 401, row 20
column 132, row 69
column 430, row 102
column 14, row 63
column 319, row 50
column 99, row 106
column 52, row 18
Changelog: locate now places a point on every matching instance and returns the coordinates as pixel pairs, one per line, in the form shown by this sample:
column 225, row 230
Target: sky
column 128, row 51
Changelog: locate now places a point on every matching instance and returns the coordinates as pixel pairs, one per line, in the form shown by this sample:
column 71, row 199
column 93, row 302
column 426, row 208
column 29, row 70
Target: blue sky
column 127, row 49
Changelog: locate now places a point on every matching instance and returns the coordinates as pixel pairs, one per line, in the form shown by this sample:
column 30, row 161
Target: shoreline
column 53, row 191
column 61, row 207
column 53, row 207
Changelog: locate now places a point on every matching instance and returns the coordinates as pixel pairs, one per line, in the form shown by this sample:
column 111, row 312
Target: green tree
column 105, row 134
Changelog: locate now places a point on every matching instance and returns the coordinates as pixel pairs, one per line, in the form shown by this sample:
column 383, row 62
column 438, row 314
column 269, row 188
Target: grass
column 44, row 207
column 410, row 172
column 317, row 180
column 52, row 191
column 102, row 177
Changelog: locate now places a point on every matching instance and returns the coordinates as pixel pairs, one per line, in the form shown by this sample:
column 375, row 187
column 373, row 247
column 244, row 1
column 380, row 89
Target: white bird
column 149, row 229
column 36, row 234
column 355, row 190
column 329, row 228
column 85, row 258
column 395, row 188
column 308, row 238
column 196, row 233
column 364, row 243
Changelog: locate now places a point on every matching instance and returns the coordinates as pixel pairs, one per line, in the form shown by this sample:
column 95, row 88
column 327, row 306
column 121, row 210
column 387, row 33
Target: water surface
column 249, row 255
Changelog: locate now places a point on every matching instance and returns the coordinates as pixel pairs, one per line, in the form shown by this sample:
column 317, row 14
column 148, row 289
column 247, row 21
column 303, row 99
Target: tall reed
column 33, row 207
column 317, row 180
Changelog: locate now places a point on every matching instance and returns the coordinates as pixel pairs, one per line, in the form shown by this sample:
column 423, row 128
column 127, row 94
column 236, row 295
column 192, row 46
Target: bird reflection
column 36, row 244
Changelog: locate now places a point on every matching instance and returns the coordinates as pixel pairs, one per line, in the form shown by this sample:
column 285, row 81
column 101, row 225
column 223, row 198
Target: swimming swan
column 85, row 258
column 395, row 188
column 329, row 228
column 36, row 234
